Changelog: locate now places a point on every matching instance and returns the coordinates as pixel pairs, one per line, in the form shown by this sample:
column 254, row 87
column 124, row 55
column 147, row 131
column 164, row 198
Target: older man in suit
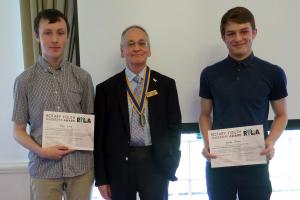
column 137, row 128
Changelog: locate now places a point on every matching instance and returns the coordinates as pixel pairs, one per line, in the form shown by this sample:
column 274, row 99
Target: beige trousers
column 73, row 188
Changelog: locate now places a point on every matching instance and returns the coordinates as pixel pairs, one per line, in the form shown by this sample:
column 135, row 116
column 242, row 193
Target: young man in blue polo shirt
column 238, row 90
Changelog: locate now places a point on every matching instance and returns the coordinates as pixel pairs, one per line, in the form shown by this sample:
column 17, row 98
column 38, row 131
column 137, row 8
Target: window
column 284, row 168
column 191, row 183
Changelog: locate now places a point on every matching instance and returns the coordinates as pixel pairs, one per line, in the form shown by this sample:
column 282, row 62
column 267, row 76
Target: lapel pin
column 154, row 80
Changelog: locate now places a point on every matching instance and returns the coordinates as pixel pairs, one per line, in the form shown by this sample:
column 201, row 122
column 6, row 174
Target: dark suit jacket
column 112, row 133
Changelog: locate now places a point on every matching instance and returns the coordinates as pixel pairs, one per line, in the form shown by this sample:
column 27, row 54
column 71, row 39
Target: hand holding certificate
column 237, row 146
column 73, row 130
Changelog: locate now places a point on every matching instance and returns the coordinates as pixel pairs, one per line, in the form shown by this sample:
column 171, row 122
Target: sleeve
column 204, row 90
column 279, row 89
column 174, row 115
column 99, row 160
column 20, row 107
column 87, row 103
column 174, row 126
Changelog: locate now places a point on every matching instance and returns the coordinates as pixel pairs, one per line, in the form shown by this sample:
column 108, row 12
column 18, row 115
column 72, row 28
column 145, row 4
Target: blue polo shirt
column 241, row 91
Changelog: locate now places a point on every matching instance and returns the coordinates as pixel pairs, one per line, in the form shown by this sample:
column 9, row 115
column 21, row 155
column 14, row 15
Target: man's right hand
column 105, row 191
column 207, row 154
column 56, row 152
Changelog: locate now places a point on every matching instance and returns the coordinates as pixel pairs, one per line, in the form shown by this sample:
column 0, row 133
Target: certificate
column 76, row 131
column 237, row 146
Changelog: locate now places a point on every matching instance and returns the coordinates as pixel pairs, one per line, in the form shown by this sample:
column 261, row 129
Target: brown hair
column 52, row 15
column 238, row 15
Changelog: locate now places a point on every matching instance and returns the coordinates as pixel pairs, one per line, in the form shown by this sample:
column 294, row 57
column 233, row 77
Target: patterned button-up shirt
column 147, row 136
column 67, row 89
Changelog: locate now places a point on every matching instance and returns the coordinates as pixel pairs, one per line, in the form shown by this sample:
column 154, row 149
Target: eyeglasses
column 141, row 44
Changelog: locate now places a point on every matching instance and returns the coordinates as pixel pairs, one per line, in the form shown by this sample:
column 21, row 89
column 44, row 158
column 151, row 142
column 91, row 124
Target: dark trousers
column 140, row 174
column 248, row 182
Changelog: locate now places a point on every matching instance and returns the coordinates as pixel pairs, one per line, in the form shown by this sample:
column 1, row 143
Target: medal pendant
column 142, row 120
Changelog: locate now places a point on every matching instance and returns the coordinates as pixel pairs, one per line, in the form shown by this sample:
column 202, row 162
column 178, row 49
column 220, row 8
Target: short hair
column 131, row 27
column 53, row 15
column 238, row 15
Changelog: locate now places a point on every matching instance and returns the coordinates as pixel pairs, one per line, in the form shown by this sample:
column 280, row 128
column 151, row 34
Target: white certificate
column 237, row 146
column 76, row 131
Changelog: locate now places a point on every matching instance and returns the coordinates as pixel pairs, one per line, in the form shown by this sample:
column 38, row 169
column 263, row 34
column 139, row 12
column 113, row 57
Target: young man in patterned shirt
column 53, row 84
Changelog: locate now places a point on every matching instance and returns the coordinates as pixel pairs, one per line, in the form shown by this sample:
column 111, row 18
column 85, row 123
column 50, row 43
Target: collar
column 47, row 67
column 130, row 75
column 245, row 62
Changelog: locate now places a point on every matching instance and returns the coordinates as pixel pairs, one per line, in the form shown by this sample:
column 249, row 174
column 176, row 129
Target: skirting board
column 13, row 168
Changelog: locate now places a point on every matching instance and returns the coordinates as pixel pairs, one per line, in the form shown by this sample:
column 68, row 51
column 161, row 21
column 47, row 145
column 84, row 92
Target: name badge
column 152, row 93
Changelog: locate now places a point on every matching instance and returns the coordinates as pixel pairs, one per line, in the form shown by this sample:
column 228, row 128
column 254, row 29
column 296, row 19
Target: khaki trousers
column 71, row 188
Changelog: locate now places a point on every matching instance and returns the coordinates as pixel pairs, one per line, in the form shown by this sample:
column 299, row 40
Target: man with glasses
column 137, row 126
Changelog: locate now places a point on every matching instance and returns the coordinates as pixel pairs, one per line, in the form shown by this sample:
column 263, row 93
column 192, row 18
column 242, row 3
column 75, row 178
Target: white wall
column 185, row 38
column 11, row 65
column 14, row 182
column 14, row 179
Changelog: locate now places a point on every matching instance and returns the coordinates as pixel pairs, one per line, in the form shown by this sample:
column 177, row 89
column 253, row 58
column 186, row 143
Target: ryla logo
column 83, row 120
column 251, row 132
